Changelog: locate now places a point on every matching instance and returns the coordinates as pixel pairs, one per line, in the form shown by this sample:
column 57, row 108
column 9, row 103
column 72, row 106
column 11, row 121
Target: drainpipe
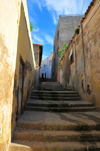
column 75, row 62
column 83, row 57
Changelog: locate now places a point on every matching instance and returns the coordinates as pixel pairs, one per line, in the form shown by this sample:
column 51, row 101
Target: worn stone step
column 52, row 87
column 61, row 109
column 50, row 83
column 54, row 95
column 54, row 92
column 55, row 98
column 46, row 80
column 20, row 145
column 60, row 121
column 54, row 136
column 47, row 103
column 56, row 127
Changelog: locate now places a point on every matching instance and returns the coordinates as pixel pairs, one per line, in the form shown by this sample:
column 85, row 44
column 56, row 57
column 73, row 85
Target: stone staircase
column 57, row 120
column 52, row 86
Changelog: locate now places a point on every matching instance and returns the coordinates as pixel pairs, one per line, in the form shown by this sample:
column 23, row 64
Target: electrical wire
column 83, row 6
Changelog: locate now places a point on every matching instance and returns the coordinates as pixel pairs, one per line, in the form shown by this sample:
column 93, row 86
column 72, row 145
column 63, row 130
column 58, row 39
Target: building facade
column 38, row 49
column 64, row 33
column 17, row 66
column 46, row 67
column 81, row 62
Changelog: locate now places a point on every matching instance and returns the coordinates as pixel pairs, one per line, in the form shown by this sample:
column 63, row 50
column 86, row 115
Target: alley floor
column 45, row 127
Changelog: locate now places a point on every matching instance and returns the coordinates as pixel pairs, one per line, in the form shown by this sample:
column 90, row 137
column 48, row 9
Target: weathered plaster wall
column 55, row 51
column 9, row 17
column 9, row 30
column 66, row 69
column 25, row 52
column 36, row 53
column 38, row 57
column 91, row 36
column 67, row 25
column 86, row 52
column 64, row 33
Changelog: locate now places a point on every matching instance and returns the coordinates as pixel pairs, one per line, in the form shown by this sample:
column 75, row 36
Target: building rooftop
column 88, row 10
column 38, row 45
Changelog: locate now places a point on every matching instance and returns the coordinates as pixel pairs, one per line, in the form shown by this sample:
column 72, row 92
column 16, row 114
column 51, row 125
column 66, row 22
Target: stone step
column 61, row 109
column 22, row 145
column 46, row 80
column 56, row 136
column 54, row 94
column 52, row 87
column 60, row 121
column 50, row 83
column 55, row 98
column 79, row 127
column 47, row 103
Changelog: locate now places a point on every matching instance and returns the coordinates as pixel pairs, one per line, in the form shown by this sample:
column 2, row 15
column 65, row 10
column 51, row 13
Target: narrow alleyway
column 58, row 120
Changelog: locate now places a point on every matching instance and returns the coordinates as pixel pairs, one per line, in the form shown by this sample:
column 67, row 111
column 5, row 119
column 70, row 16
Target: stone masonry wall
column 85, row 70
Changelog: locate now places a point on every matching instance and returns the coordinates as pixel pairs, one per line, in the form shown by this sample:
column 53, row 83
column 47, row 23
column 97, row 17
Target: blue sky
column 44, row 15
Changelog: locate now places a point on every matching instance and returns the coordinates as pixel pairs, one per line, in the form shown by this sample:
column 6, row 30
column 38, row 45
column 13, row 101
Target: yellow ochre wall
column 15, row 41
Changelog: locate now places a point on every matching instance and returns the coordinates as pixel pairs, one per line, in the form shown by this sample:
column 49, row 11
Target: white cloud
column 61, row 7
column 36, row 29
column 33, row 21
column 37, row 40
column 54, row 18
column 49, row 39
column 51, row 50
column 38, row 2
column 44, row 57
column 40, row 6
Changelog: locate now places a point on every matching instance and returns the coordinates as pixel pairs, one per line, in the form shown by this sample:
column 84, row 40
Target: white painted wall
column 46, row 67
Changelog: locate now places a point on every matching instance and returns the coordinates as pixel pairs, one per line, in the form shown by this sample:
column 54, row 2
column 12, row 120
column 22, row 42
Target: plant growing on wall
column 61, row 53
column 76, row 30
column 31, row 27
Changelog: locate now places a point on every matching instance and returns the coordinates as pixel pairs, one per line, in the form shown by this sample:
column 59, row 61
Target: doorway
column 42, row 75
